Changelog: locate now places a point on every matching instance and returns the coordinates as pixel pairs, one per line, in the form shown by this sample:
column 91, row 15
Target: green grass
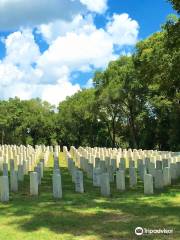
column 87, row 216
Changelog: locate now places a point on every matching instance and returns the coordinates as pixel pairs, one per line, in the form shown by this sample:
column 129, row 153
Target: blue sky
column 150, row 14
column 52, row 50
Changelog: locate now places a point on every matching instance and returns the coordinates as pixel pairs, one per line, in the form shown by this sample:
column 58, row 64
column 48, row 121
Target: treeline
column 134, row 103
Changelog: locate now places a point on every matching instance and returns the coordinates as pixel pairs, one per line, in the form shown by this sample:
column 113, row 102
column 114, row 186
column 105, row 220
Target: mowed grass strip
column 87, row 216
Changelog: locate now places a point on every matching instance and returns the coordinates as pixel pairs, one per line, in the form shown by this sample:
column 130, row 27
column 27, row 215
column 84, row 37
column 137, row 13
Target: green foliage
column 120, row 97
column 176, row 5
column 157, row 63
column 135, row 103
column 77, row 120
column 26, row 122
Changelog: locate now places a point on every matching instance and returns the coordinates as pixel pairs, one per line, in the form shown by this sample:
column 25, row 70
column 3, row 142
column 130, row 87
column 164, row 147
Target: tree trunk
column 133, row 129
column 2, row 137
column 113, row 133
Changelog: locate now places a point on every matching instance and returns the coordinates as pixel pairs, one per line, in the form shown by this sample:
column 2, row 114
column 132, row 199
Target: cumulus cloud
column 17, row 13
column 22, row 13
column 9, row 73
column 19, row 78
column 53, row 93
column 99, row 6
column 21, row 48
column 16, row 84
column 58, row 92
column 78, row 52
column 83, row 47
column 18, row 89
column 73, row 46
column 122, row 29
column 59, row 28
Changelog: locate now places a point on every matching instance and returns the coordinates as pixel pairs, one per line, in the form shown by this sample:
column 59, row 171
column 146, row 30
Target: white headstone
column 152, row 168
column 122, row 164
column 90, row 171
column 4, row 189
column 79, row 187
column 105, row 185
column 14, row 181
column 132, row 177
column 20, row 173
column 142, row 171
column 12, row 165
column 114, row 164
column 96, row 176
column 73, row 172
column 178, row 169
column 166, row 176
column 120, row 180
column 148, row 184
column 5, row 169
column 110, row 170
column 158, row 164
column 165, row 163
column 38, row 170
column 158, row 179
column 173, row 171
column 57, row 187
column 34, row 183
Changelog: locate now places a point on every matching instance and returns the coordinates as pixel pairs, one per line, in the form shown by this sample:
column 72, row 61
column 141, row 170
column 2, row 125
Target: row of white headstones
column 18, row 161
column 104, row 166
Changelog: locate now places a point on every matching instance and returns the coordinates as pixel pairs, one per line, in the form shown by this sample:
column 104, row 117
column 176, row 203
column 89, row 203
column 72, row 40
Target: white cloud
column 58, row 92
column 9, row 73
column 23, row 13
column 53, row 93
column 19, row 78
column 76, row 46
column 16, row 84
column 17, row 13
column 21, row 48
column 99, row 6
column 79, row 51
column 19, row 89
column 59, row 28
column 123, row 30
column 83, row 47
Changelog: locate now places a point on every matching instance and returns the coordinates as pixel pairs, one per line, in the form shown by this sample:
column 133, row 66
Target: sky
column 51, row 49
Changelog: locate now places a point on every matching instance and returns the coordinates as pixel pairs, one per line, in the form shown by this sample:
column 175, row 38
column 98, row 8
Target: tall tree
column 120, row 96
column 157, row 64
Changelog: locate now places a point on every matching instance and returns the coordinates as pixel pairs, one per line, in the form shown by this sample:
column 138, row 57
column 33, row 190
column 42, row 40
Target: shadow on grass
column 89, row 213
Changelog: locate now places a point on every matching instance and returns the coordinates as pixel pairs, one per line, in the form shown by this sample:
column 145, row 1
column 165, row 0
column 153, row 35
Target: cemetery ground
column 88, row 216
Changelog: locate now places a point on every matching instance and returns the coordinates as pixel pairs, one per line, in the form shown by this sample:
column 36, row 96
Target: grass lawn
column 87, row 216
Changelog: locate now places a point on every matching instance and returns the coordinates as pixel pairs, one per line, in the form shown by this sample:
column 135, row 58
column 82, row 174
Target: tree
column 77, row 120
column 119, row 94
column 27, row 122
column 176, row 5
column 157, row 64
